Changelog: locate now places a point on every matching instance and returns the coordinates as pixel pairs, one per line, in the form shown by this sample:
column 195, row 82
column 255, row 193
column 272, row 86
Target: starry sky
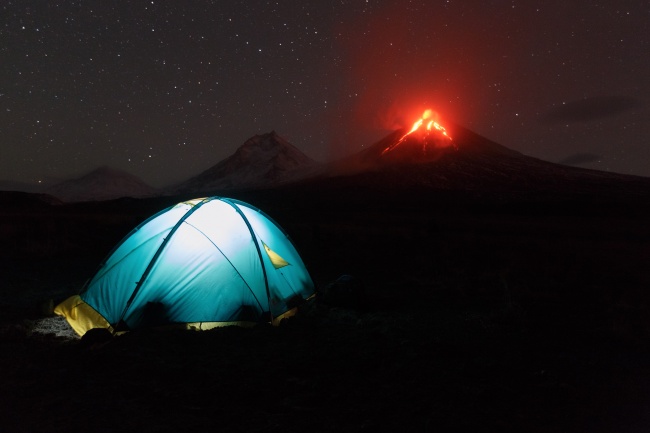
column 166, row 89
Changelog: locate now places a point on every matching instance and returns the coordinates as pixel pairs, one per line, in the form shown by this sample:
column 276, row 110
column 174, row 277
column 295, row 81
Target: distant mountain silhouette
column 10, row 185
column 263, row 161
column 20, row 200
column 103, row 183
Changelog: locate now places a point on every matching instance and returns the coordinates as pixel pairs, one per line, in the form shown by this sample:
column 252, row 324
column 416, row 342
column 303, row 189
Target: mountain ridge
column 462, row 161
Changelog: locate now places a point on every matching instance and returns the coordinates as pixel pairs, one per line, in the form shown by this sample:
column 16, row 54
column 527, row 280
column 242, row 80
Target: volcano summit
column 431, row 157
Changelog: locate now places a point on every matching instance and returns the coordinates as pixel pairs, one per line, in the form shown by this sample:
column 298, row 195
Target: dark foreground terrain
column 497, row 315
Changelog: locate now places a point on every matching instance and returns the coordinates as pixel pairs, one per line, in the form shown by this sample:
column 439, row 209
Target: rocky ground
column 471, row 321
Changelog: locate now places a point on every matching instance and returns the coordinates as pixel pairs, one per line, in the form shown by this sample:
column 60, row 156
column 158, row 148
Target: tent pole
column 259, row 252
column 153, row 260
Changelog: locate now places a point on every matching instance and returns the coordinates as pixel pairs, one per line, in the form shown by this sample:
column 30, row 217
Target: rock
column 345, row 292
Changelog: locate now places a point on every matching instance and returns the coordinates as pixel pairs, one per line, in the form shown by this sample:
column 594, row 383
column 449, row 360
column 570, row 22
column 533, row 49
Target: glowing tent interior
column 201, row 263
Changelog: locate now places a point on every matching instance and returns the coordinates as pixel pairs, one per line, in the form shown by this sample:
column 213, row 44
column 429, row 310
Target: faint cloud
column 588, row 109
column 580, row 158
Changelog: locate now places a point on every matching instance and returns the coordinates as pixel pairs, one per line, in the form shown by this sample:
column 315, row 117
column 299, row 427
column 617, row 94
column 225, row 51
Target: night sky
column 166, row 89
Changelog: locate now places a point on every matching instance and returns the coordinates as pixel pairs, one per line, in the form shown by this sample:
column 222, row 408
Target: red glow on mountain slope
column 428, row 131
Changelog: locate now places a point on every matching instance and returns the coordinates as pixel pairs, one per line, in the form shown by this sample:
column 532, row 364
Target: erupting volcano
column 426, row 132
column 425, row 158
column 427, row 140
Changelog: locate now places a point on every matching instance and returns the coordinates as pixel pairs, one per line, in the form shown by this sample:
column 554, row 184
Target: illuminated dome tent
column 202, row 263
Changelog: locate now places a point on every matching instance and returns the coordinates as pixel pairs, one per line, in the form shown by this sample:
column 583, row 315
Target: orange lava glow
column 431, row 127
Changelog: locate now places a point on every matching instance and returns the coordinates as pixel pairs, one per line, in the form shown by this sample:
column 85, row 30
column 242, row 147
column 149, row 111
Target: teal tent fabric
column 206, row 260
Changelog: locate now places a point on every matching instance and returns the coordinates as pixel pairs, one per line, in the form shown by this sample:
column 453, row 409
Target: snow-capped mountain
column 103, row 183
column 263, row 161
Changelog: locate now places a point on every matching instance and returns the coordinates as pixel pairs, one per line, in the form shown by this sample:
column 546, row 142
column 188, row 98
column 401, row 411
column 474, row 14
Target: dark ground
column 481, row 315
